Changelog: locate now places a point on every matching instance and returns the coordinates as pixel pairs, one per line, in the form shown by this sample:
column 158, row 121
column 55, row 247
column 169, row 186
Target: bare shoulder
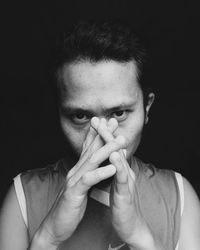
column 192, row 203
column 190, row 194
column 13, row 231
column 190, row 222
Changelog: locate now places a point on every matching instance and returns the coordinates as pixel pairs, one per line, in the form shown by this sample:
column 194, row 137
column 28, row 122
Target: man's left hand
column 127, row 217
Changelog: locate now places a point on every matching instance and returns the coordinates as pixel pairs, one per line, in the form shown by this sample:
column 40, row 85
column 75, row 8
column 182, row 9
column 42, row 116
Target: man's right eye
column 80, row 118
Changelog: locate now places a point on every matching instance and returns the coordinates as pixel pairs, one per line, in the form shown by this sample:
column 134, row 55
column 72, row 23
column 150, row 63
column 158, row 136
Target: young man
column 107, row 199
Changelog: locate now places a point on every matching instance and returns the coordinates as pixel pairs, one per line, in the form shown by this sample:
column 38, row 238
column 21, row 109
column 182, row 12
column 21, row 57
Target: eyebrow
column 68, row 110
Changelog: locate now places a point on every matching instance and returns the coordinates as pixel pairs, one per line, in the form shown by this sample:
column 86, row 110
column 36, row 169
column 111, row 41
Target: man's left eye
column 120, row 115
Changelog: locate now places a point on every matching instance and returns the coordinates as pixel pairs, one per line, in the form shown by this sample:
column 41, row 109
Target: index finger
column 106, row 130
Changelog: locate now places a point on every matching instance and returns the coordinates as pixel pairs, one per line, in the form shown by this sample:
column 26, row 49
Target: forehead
column 101, row 83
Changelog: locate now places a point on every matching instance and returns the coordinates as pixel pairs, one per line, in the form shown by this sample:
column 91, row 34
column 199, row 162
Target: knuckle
column 84, row 179
column 114, row 156
column 121, row 140
column 115, row 145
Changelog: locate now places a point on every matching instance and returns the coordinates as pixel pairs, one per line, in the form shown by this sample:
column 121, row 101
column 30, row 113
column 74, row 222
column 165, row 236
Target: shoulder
column 192, row 203
column 162, row 177
column 43, row 183
column 41, row 179
column 160, row 201
column 190, row 225
column 37, row 190
column 54, row 170
column 12, row 225
column 162, row 182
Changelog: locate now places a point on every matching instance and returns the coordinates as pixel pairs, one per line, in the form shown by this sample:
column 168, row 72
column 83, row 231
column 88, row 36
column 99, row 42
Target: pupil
column 119, row 113
column 80, row 116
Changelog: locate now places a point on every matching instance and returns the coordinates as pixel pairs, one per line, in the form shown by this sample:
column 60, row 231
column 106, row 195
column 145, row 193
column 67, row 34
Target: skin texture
column 96, row 84
column 119, row 124
column 102, row 113
column 93, row 87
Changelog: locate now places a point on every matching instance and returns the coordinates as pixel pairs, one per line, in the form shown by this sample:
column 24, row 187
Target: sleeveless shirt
column 159, row 201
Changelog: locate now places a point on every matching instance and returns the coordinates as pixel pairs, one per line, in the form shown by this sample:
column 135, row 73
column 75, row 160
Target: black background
column 31, row 136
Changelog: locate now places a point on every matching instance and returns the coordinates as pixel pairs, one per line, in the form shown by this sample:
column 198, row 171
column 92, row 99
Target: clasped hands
column 68, row 210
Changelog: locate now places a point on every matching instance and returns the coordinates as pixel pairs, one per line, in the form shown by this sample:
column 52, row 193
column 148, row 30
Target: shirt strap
column 21, row 197
column 179, row 179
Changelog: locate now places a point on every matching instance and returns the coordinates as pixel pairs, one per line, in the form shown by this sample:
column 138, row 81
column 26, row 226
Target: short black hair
column 96, row 41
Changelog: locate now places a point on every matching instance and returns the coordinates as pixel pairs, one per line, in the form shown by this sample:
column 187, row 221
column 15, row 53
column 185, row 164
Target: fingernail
column 124, row 151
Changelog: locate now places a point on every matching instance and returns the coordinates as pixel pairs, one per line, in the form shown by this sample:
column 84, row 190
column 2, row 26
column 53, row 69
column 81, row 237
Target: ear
column 150, row 100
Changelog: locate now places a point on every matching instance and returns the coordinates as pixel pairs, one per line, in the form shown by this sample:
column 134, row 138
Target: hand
column 70, row 205
column 127, row 217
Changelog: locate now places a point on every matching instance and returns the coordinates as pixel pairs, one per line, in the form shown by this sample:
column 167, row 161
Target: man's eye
column 80, row 118
column 120, row 115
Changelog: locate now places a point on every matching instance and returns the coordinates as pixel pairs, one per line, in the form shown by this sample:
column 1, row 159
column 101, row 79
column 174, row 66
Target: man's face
column 103, row 89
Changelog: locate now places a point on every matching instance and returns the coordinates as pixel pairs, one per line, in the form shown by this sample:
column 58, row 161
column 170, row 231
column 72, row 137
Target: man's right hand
column 70, row 205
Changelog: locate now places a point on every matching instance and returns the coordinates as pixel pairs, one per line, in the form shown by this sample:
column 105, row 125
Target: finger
column 90, row 145
column 104, row 132
column 103, row 153
column 130, row 172
column 95, row 145
column 124, row 152
column 105, row 129
column 112, row 125
column 131, row 180
column 95, row 121
column 121, row 177
column 98, row 157
column 91, row 178
column 89, row 139
column 107, row 133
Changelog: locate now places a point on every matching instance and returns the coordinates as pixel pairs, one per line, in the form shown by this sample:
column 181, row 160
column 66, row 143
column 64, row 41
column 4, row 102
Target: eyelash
column 78, row 121
column 88, row 117
column 121, row 118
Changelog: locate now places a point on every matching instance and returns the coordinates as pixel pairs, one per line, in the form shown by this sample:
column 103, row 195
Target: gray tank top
column 159, row 200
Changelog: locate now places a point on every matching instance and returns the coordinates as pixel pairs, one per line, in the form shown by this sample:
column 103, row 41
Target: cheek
column 74, row 136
